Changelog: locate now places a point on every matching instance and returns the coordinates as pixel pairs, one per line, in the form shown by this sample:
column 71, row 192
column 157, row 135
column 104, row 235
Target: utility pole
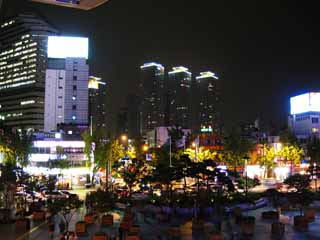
column 170, row 151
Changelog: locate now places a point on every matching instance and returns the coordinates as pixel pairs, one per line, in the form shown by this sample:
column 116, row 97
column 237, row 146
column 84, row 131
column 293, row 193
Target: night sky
column 263, row 51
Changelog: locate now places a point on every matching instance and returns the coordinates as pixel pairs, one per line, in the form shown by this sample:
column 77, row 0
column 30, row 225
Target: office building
column 98, row 104
column 206, row 103
column 129, row 119
column 23, row 62
column 66, row 95
column 159, row 136
column 122, row 121
column 305, row 114
column 152, row 90
column 178, row 90
column 79, row 4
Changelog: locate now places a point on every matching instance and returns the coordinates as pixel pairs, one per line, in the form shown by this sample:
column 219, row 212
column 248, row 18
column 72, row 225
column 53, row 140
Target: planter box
column 285, row 207
column 125, row 226
column 162, row 217
column 277, row 229
column 216, row 237
column 89, row 218
column 310, row 214
column 270, row 215
column 81, row 228
column 132, row 238
column 38, row 216
column 107, row 220
column 198, row 225
column 100, row 236
column 301, row 223
column 23, row 224
column 134, row 230
column 247, row 225
column 174, row 232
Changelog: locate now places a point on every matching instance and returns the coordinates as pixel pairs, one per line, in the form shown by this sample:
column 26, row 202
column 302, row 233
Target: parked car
column 54, row 195
column 69, row 194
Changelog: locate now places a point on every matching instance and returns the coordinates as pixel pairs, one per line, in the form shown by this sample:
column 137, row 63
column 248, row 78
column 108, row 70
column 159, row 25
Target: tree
column 176, row 135
column 15, row 146
column 65, row 208
column 106, row 152
column 101, row 201
column 298, row 181
column 8, row 178
column 292, row 154
column 204, row 155
column 266, row 159
column 88, row 140
column 114, row 152
column 313, row 151
column 134, row 173
column 236, row 148
column 302, row 195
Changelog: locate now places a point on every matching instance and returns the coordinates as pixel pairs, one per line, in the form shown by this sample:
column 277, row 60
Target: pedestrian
column 62, row 226
column 51, row 229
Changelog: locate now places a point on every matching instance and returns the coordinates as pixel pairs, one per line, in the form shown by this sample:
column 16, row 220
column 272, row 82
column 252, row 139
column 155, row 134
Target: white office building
column 66, row 88
column 304, row 119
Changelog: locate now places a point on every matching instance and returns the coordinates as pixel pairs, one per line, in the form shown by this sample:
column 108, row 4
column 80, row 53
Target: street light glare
column 124, row 137
column 145, row 148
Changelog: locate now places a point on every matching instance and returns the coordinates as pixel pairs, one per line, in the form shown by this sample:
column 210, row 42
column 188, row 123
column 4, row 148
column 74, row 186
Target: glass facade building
column 98, row 104
column 23, row 62
column 152, row 90
column 178, row 110
column 207, row 102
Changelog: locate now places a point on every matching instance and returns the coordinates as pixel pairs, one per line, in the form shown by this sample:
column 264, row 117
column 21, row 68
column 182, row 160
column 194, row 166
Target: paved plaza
column 152, row 230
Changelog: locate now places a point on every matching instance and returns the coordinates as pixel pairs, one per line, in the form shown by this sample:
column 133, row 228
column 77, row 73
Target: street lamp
column 195, row 146
column 145, row 148
column 246, row 163
column 124, row 138
column 170, row 157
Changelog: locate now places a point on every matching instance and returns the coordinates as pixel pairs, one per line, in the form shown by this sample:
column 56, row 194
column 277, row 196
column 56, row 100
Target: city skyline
column 262, row 62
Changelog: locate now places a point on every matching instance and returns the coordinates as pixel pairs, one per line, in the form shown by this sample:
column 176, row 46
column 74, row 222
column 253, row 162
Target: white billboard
column 63, row 47
column 308, row 102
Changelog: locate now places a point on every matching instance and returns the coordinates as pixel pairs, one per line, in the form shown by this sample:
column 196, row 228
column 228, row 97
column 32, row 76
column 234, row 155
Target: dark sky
column 264, row 51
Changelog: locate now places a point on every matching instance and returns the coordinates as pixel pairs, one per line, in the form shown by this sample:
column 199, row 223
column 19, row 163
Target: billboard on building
column 63, row 47
column 308, row 102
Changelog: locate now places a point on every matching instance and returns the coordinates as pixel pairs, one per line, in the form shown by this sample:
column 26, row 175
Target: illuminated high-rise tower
column 207, row 102
column 23, row 62
column 79, row 4
column 98, row 104
column 152, row 87
column 178, row 89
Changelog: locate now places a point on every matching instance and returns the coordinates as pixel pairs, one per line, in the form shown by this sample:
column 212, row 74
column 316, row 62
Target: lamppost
column 170, row 142
column 246, row 158
column 145, row 148
column 195, row 146
column 124, row 140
